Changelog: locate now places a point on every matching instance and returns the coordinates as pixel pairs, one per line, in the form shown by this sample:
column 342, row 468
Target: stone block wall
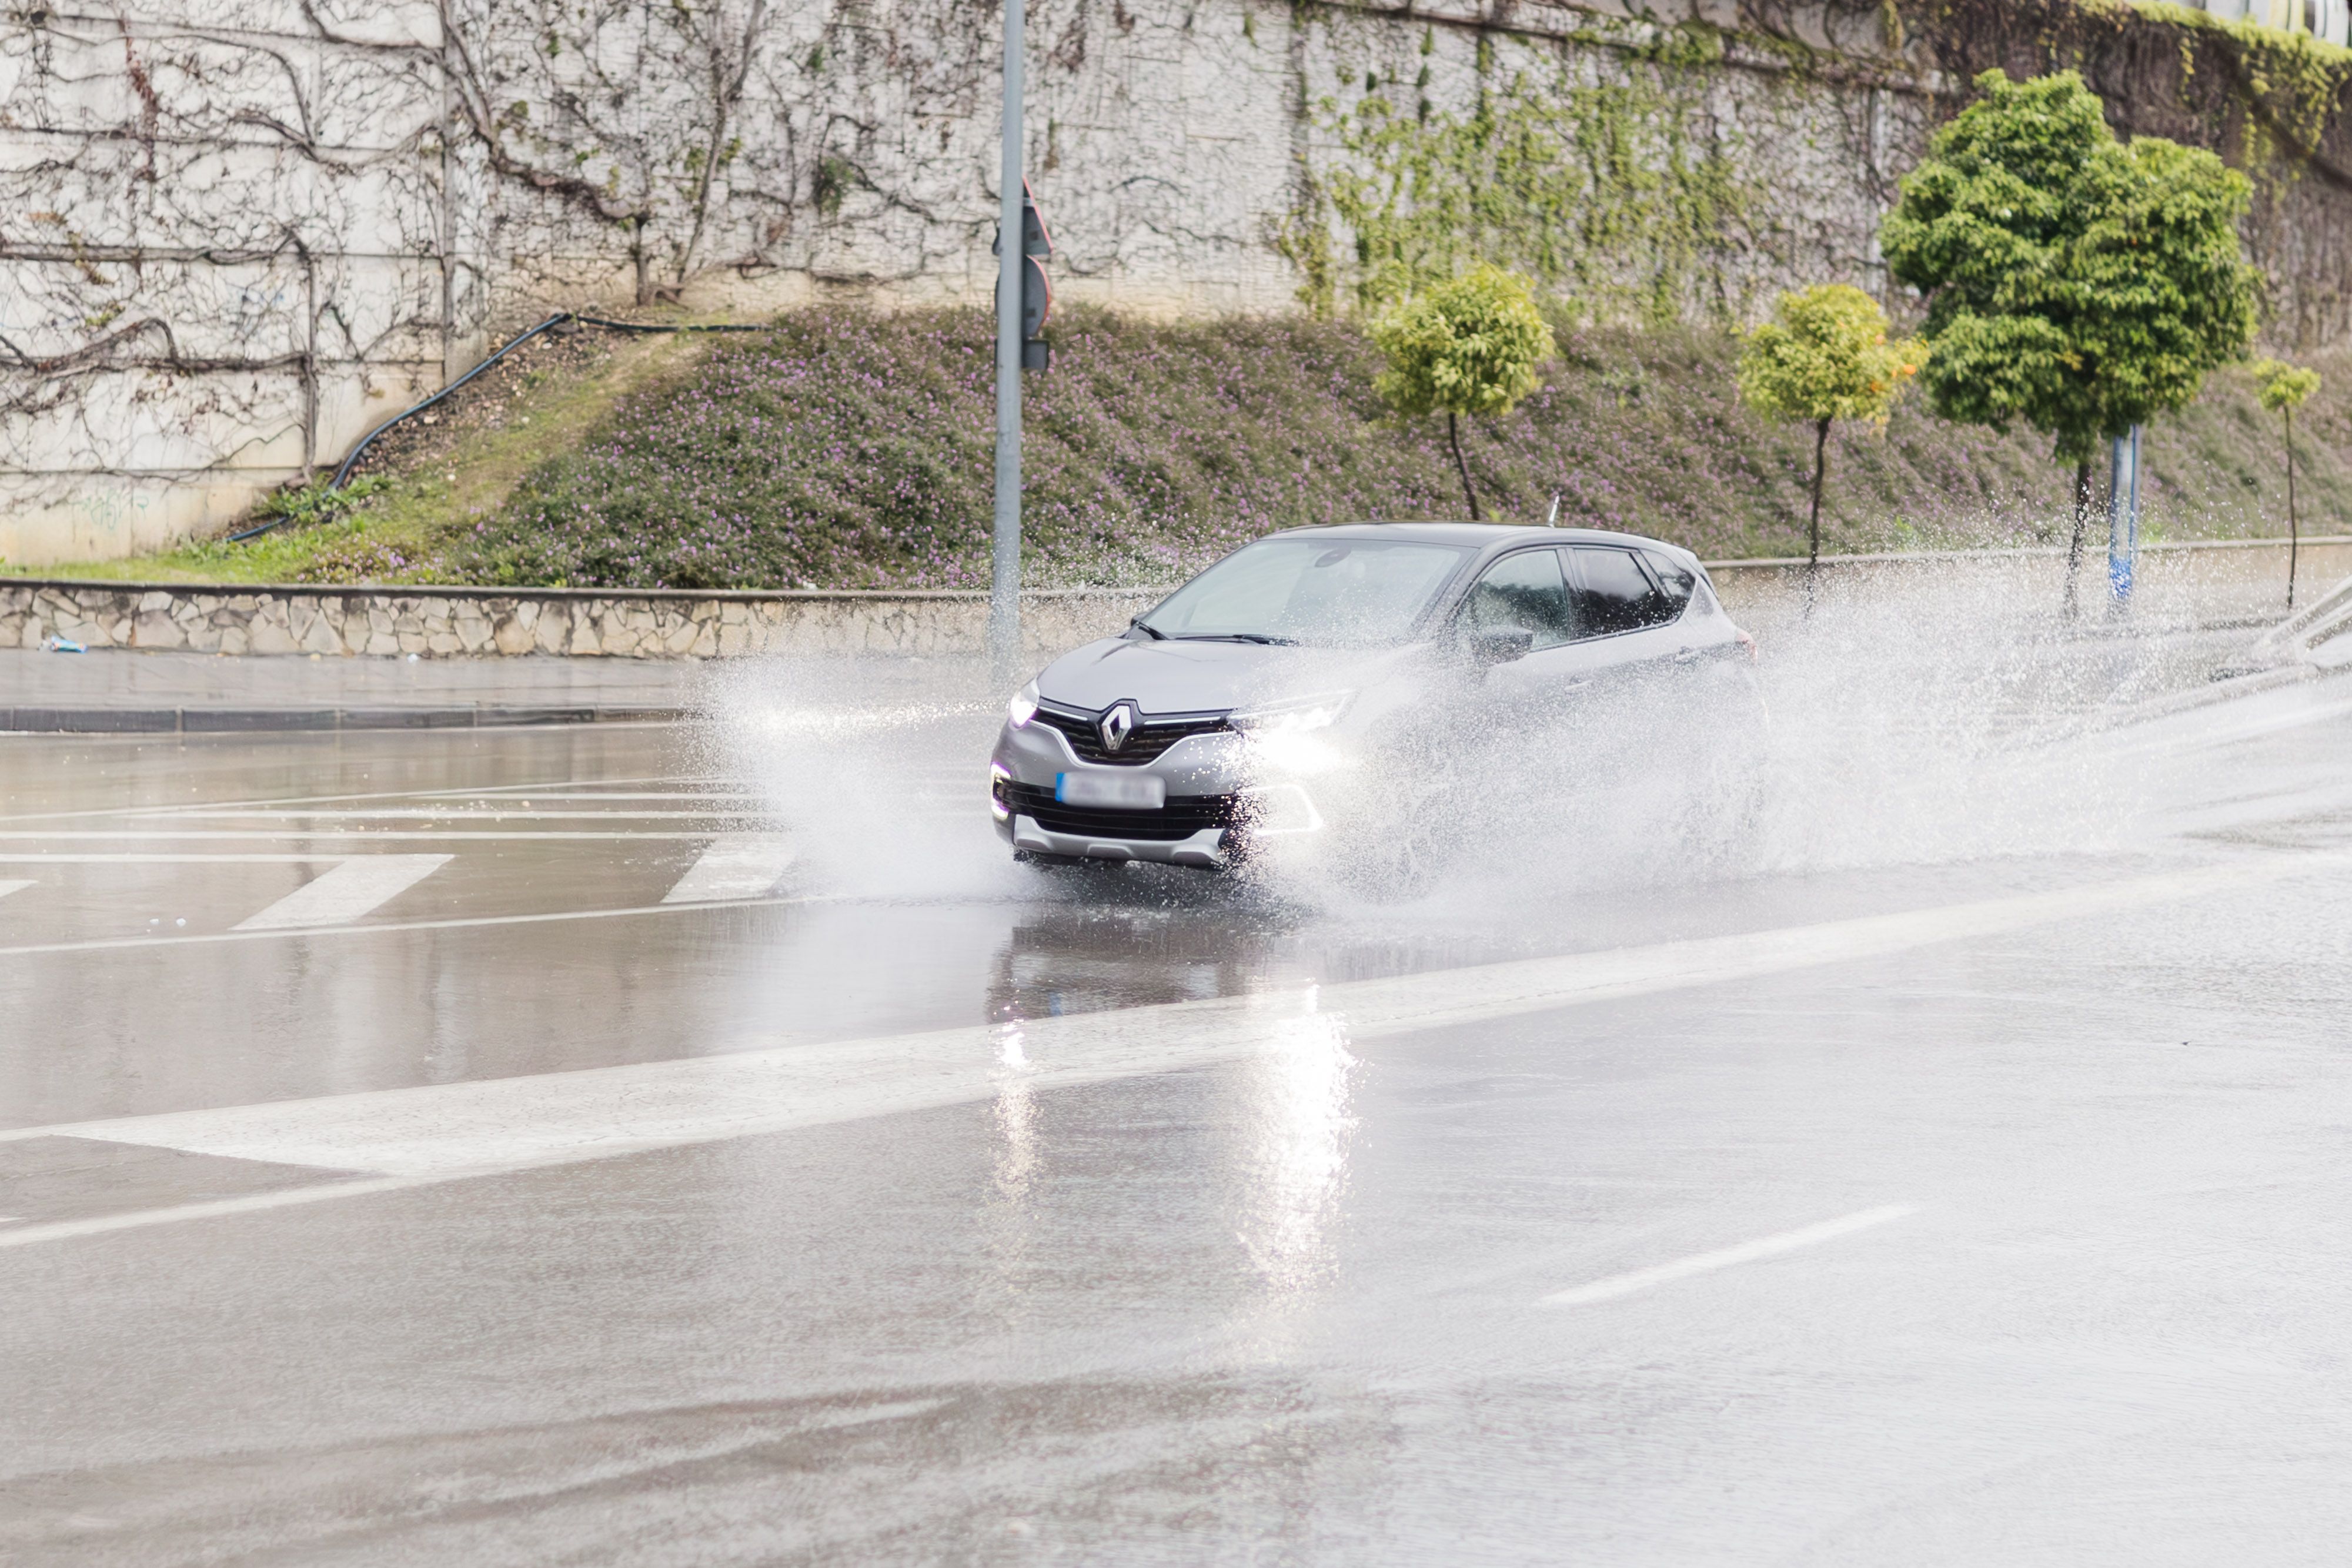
column 2236, row 581
column 479, row 624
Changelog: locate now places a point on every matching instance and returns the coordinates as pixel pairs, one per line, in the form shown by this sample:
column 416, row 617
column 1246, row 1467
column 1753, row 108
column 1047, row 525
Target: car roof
column 1482, row 536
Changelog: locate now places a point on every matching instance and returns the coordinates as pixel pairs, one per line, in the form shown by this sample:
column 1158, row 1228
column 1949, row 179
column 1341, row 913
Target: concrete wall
column 2182, row 584
column 235, row 234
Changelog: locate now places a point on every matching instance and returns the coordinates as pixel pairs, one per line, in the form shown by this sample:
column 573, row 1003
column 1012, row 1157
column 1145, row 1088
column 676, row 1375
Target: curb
column 232, row 720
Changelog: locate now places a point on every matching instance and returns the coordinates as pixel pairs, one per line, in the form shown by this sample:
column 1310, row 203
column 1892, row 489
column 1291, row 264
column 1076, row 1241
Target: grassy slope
column 850, row 449
column 437, row 479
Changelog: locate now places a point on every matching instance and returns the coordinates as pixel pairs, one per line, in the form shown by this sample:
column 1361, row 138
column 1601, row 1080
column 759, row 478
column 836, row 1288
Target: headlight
column 1023, row 707
column 1293, row 717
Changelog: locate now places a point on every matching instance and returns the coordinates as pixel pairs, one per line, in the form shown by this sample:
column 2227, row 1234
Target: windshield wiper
column 1149, row 629
column 1258, row 637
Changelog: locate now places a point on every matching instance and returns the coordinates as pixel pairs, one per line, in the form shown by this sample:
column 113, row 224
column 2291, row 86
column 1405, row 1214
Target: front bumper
column 1216, row 813
column 1206, row 849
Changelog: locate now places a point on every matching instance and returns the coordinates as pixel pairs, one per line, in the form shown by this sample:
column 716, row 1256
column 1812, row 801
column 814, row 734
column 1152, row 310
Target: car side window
column 1614, row 594
column 1678, row 583
column 1529, row 591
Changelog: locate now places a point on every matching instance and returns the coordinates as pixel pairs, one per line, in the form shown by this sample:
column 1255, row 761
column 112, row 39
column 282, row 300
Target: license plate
column 1120, row 792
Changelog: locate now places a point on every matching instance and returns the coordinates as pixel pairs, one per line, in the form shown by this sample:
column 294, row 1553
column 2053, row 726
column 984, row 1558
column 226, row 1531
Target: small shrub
column 1824, row 357
column 1468, row 345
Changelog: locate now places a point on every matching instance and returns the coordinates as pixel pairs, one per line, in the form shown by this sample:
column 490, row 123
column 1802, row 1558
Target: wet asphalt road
column 1905, row 1195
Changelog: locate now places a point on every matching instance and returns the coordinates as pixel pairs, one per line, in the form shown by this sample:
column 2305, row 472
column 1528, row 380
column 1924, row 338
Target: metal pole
column 1004, row 582
column 2123, row 516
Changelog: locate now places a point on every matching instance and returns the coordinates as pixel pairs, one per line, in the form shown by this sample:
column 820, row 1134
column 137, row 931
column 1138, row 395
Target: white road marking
column 13, row 858
column 450, row 1132
column 345, row 893
column 1617, row 1285
column 456, row 813
column 592, row 786
column 133, row 1219
column 364, row 835
column 599, row 795
column 14, row 884
column 513, row 790
column 381, row 926
column 740, row 865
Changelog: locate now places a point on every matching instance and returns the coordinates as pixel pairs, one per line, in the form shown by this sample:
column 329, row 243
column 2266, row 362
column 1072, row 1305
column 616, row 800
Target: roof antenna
column 1552, row 518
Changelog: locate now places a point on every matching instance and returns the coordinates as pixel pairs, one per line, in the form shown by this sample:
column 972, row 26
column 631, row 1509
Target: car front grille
column 1183, row 816
column 1151, row 737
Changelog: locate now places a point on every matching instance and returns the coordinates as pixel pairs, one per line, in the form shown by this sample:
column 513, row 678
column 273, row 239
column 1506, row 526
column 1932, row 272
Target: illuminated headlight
column 1023, row 707
column 1293, row 717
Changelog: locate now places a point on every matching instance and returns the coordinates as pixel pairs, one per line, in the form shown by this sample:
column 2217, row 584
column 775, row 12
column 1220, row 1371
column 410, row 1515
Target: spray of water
column 878, row 766
column 1937, row 718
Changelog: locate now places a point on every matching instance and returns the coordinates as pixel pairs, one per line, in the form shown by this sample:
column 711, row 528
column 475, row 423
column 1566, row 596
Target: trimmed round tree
column 2283, row 389
column 2074, row 283
column 1824, row 357
column 1471, row 346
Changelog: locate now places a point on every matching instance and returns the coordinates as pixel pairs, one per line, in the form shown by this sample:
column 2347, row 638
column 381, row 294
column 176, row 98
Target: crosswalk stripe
column 516, row 791
column 600, row 795
column 347, row 892
column 16, row 884
column 740, row 865
column 364, row 835
column 14, row 858
column 460, row 813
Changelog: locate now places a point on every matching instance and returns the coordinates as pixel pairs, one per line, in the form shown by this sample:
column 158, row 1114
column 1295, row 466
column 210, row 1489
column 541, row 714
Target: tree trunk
column 2294, row 536
column 1454, row 438
column 1813, row 521
column 2081, row 520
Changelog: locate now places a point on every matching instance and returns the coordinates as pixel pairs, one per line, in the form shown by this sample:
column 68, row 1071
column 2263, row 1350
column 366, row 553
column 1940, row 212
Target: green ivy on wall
column 1618, row 195
column 2282, row 93
column 2293, row 80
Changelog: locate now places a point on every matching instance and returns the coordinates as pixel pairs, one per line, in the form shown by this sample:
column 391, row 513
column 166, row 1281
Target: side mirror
column 1498, row 645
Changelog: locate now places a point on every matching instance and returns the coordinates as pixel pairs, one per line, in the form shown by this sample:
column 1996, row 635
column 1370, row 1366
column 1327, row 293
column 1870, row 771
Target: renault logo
column 1116, row 726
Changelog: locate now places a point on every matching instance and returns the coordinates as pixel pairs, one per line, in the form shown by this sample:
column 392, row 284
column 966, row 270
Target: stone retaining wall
column 2199, row 582
column 2195, row 581
column 473, row 622
column 241, row 232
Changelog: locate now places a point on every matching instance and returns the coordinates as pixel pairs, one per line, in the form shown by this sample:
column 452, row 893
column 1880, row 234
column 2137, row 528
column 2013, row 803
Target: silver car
column 1242, row 710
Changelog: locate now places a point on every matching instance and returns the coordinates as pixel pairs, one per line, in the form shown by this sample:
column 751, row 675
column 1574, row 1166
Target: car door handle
column 1690, row 655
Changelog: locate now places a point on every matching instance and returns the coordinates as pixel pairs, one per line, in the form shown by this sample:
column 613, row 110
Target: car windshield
column 1324, row 590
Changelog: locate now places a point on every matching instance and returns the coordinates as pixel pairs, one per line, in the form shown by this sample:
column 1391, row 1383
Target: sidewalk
column 120, row 690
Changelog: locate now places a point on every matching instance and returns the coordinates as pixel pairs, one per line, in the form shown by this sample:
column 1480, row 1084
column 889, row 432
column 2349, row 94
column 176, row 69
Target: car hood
column 1177, row 676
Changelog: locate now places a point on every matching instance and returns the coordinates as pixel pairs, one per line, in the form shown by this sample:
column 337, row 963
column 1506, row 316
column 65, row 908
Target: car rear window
column 1615, row 594
column 1678, row 581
